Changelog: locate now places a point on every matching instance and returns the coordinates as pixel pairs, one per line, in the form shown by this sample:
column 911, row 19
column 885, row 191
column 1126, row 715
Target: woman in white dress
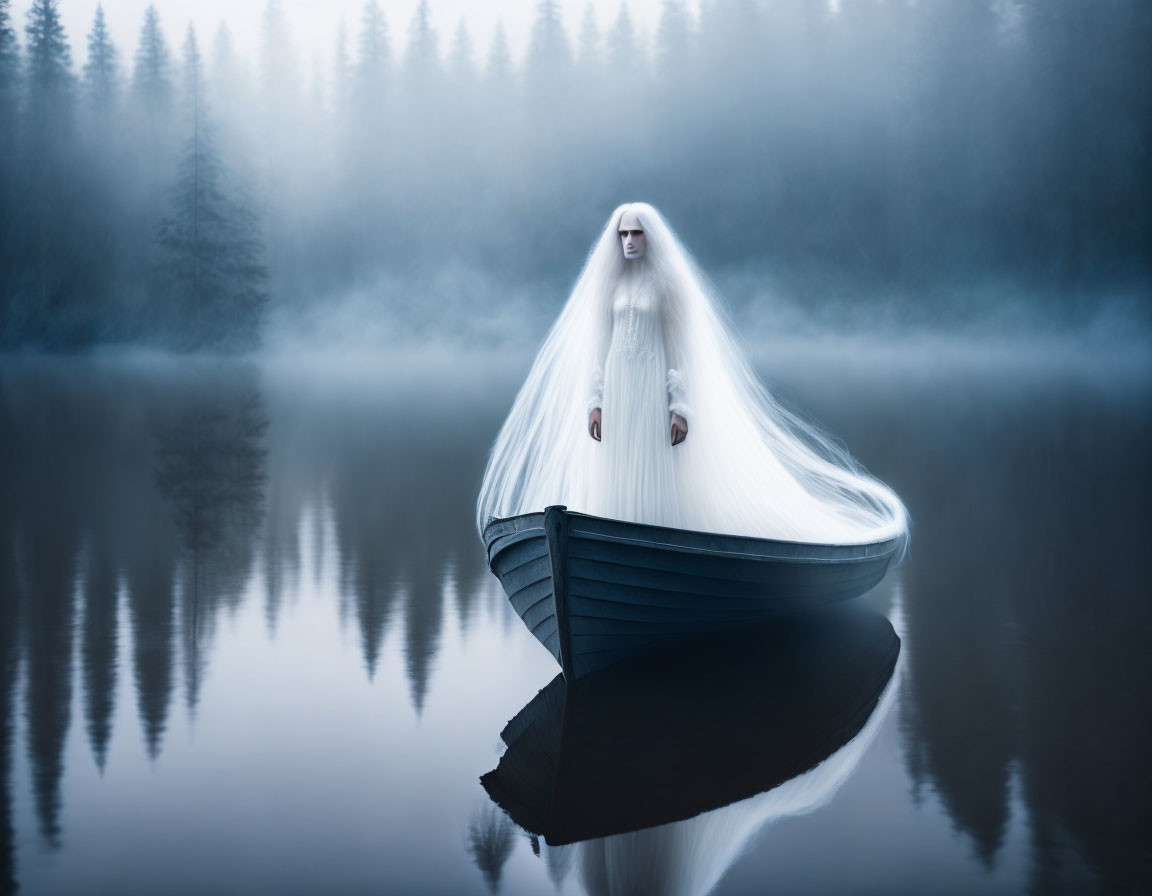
column 641, row 406
column 636, row 408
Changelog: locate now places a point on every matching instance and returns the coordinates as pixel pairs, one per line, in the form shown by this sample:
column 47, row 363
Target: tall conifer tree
column 152, row 78
column 212, row 269
column 549, row 55
column 9, row 69
column 102, row 71
column 49, row 74
column 9, row 78
column 47, row 150
column 152, row 94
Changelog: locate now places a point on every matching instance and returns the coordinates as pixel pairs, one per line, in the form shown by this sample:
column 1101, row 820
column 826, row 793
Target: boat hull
column 595, row 591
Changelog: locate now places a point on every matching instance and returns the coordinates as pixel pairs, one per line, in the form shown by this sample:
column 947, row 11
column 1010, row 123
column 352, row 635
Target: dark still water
column 249, row 644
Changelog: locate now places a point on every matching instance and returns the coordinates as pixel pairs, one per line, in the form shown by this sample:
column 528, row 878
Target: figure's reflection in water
column 652, row 777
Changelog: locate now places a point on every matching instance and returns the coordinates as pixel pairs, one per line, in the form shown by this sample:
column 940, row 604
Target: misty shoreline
column 921, row 354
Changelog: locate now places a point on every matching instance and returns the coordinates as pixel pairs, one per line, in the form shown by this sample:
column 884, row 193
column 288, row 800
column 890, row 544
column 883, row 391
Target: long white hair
column 748, row 465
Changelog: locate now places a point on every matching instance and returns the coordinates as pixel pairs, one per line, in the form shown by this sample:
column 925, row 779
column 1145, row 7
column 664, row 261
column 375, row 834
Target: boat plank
column 816, row 590
column 528, row 595
column 519, row 554
column 539, row 611
column 690, row 579
column 755, row 570
column 632, row 586
column 525, row 575
column 719, row 544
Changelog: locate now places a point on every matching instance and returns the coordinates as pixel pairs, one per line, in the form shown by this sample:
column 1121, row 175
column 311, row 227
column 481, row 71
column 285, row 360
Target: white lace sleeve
column 596, row 392
column 676, row 403
column 673, row 351
column 603, row 343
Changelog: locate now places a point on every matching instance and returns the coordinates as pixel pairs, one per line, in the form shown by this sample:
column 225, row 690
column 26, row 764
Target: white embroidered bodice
column 637, row 334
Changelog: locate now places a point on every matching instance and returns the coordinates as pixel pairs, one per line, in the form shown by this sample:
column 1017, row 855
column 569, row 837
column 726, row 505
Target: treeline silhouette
column 118, row 213
column 934, row 159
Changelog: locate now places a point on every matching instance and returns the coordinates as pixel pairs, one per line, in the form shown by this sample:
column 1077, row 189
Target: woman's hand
column 679, row 429
column 594, row 424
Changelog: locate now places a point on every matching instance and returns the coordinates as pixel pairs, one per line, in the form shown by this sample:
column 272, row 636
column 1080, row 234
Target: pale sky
column 314, row 22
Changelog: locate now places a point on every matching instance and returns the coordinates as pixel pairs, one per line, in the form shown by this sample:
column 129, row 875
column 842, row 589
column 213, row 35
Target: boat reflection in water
column 651, row 776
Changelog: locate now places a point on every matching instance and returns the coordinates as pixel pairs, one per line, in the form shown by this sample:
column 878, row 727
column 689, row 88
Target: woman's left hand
column 679, row 429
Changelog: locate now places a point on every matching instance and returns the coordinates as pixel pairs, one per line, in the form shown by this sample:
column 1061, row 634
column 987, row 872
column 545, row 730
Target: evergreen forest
column 933, row 161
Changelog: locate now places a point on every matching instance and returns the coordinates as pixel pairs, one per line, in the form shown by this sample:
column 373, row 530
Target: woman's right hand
column 594, row 424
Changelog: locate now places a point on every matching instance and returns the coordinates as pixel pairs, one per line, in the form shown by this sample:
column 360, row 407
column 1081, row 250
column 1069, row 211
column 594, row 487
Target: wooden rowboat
column 594, row 591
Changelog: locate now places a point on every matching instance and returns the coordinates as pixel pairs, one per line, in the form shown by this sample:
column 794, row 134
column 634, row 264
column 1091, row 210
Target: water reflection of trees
column 82, row 522
column 491, row 837
column 10, row 627
column 43, row 539
column 98, row 650
column 209, row 465
column 1027, row 633
column 142, row 492
column 401, row 468
column 135, row 499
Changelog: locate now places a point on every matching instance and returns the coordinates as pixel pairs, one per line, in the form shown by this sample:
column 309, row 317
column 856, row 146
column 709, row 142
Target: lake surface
column 248, row 641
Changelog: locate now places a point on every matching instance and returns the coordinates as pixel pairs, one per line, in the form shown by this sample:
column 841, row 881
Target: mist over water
column 893, row 166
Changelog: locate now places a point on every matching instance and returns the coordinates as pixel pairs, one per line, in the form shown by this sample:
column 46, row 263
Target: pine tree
column 106, row 205
column 152, row 95
column 47, row 163
column 9, row 71
column 280, row 92
column 673, row 39
column 373, row 56
column 102, row 71
column 462, row 62
column 278, row 65
column 49, row 73
column 341, row 71
column 212, row 271
column 421, row 58
column 730, row 31
column 498, row 68
column 623, row 52
column 9, row 256
column 588, row 58
column 152, row 79
column 549, row 55
column 227, row 95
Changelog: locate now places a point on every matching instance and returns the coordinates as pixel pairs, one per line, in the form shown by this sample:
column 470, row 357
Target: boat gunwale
column 733, row 555
column 523, row 528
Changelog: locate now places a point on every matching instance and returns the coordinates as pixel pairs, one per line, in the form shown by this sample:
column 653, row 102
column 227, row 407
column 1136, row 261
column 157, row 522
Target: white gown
column 658, row 340
column 633, row 475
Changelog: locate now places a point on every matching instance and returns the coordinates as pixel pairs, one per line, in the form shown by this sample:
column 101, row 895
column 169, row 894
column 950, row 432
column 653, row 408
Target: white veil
column 747, row 467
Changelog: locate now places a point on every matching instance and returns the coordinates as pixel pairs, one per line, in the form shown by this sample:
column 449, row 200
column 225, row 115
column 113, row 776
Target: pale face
column 633, row 241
